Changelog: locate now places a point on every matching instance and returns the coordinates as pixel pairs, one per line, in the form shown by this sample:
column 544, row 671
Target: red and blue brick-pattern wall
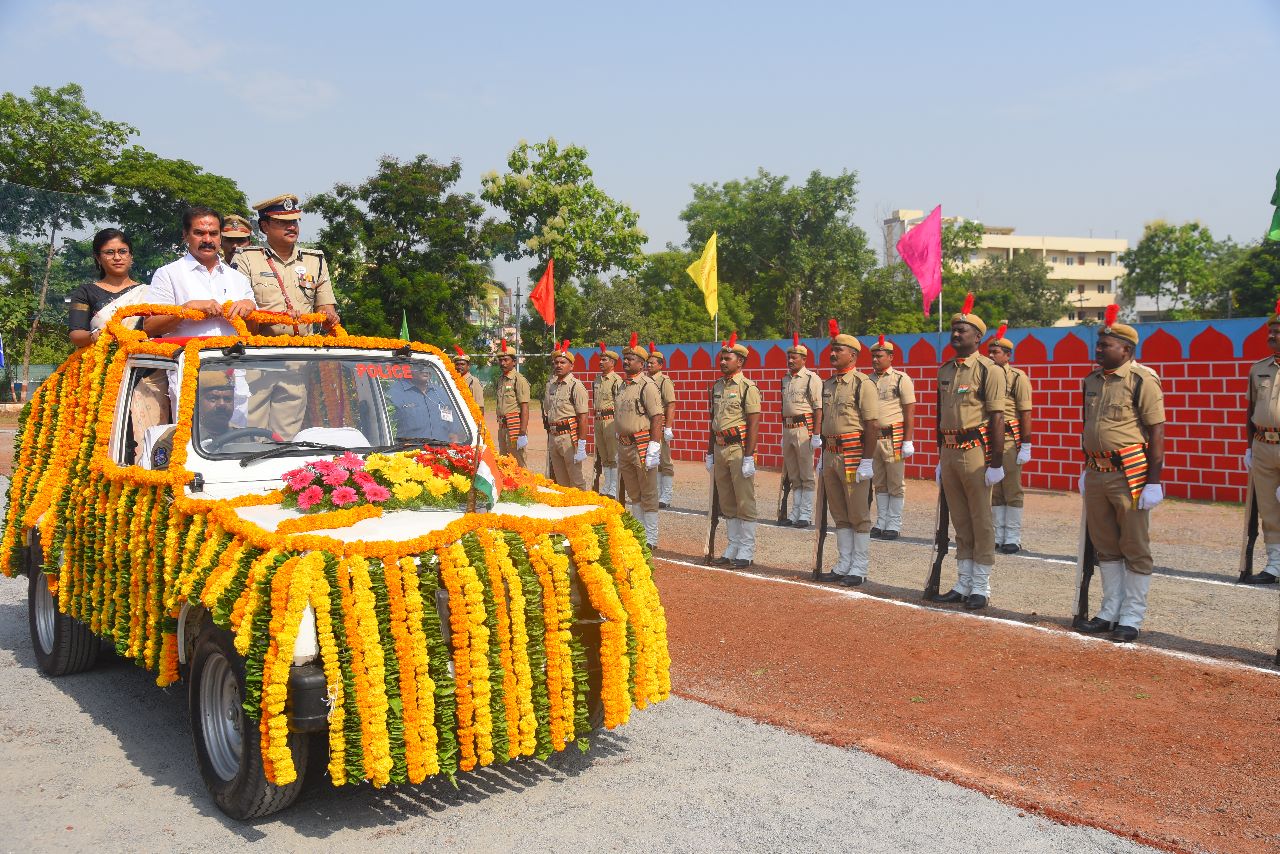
column 1203, row 365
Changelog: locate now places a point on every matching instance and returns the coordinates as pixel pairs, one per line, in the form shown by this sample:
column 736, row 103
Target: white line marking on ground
column 1118, row 648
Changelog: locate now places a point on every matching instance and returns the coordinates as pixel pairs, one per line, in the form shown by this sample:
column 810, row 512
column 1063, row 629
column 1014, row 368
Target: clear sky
column 1070, row 118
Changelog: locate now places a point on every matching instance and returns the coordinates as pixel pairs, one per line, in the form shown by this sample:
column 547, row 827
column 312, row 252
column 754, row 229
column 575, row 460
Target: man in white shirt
column 199, row 280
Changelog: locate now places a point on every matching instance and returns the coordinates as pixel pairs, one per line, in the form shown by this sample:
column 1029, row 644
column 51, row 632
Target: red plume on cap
column 634, row 339
column 795, row 339
column 653, row 346
column 880, row 345
column 733, row 339
column 602, row 347
column 504, row 345
column 968, row 304
column 564, row 345
column 1004, row 327
column 459, row 350
column 833, row 327
column 1277, row 306
column 1113, row 312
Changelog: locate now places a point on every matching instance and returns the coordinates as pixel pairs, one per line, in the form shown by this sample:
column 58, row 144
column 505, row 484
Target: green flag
column 404, row 325
column 1273, row 233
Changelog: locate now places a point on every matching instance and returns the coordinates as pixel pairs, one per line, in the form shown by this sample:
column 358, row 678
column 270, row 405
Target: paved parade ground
column 807, row 717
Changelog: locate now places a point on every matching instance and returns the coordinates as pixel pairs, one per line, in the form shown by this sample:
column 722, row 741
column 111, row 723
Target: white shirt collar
column 191, row 262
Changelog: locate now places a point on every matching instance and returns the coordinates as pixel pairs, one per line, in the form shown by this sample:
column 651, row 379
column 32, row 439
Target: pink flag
column 921, row 249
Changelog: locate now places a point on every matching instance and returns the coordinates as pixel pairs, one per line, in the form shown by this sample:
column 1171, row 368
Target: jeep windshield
column 323, row 402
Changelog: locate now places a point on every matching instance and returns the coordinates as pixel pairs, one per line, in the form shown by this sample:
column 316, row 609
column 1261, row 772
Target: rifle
column 1084, row 567
column 820, row 511
column 941, row 543
column 783, row 515
column 713, row 521
column 595, row 483
column 1250, row 531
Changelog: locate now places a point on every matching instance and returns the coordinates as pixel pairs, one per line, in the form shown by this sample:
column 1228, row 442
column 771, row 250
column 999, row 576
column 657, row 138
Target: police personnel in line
column 731, row 448
column 1262, row 459
column 971, row 445
column 801, row 431
column 564, row 415
column 511, row 402
column 462, row 364
column 667, row 389
column 639, row 420
column 236, row 233
column 1124, row 457
column 897, row 394
column 604, row 390
column 1007, row 495
column 850, row 433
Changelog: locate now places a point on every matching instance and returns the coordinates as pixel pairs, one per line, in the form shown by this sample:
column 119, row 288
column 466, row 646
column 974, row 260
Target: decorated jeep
column 311, row 531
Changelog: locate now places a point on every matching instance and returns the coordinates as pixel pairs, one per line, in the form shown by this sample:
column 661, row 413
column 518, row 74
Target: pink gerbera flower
column 299, row 479
column 375, row 493
column 310, row 497
column 350, row 461
column 363, row 478
column 337, row 477
column 344, row 495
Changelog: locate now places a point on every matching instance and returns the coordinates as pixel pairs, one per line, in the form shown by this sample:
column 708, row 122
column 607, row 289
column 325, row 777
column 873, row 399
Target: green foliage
column 22, row 266
column 555, row 210
column 794, row 250
column 1018, row 290
column 404, row 240
column 1252, row 277
column 890, row 299
column 1169, row 262
column 671, row 308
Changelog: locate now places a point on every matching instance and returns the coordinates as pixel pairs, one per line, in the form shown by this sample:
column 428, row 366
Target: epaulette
column 317, row 252
column 1266, row 358
column 243, row 250
column 1150, row 371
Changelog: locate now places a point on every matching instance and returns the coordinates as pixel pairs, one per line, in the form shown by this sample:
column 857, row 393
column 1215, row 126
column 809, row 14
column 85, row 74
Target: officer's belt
column 1014, row 429
column 512, row 422
column 805, row 420
column 894, row 433
column 604, row 413
column 640, row 439
column 566, row 425
column 965, row 439
column 732, row 436
column 1131, row 460
column 1267, row 435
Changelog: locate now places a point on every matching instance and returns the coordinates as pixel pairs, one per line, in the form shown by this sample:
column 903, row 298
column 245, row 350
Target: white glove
column 711, row 461
column 995, row 474
column 653, row 455
column 908, row 449
column 748, row 466
column 582, row 451
column 937, row 473
column 1152, row 494
column 668, row 434
column 866, row 470
column 1248, row 459
column 815, row 442
column 1083, row 472
column 1278, row 493
column 1024, row 454
column 522, row 442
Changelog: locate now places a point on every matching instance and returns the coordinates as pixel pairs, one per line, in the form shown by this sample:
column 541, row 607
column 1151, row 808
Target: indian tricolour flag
column 486, row 476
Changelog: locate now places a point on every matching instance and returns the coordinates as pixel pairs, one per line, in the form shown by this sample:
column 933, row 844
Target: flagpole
column 716, row 321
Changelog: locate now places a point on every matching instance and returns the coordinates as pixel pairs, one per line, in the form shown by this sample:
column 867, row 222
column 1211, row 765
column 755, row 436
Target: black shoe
column 786, row 523
column 803, row 523
column 721, row 561
column 975, row 601
column 1260, row 578
column 1094, row 626
column 876, row 533
column 828, row 576
column 1124, row 634
column 740, row 563
column 852, row 580
column 889, row 535
column 663, row 505
column 1010, row 549
column 950, row 597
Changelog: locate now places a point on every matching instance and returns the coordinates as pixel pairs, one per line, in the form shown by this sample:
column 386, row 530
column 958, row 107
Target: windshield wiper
column 411, row 442
column 282, row 450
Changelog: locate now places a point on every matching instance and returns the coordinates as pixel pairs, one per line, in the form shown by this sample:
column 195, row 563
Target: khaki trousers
column 149, row 407
column 737, row 493
column 606, row 441
column 507, row 446
column 1008, row 492
column 797, row 457
column 564, row 471
column 665, row 466
column 964, row 480
column 1118, row 531
column 639, row 483
column 890, row 474
column 1266, row 477
column 277, row 402
column 849, row 501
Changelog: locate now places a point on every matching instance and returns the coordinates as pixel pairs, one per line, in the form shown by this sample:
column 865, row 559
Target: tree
column 891, row 300
column 22, row 266
column 793, row 249
column 671, row 306
column 1018, row 290
column 53, row 142
column 1168, row 262
column 1253, row 279
column 404, row 241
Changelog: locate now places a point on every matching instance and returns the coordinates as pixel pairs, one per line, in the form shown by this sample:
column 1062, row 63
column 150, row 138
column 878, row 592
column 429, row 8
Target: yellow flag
column 703, row 272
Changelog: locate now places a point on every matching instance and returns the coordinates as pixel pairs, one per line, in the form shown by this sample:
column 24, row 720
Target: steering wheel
column 240, row 433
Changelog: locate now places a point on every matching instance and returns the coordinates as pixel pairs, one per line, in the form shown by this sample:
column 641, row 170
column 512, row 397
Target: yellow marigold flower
column 407, row 490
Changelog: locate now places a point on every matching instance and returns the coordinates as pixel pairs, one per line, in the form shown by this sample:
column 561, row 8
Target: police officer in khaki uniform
column 564, row 415
column 850, row 433
column 971, row 442
column 731, row 448
column 667, row 470
column 1262, row 459
column 801, row 431
column 236, row 233
column 1124, row 457
column 462, row 364
column 897, row 394
column 511, row 396
column 292, row 281
column 639, row 422
column 1007, row 496
column 604, row 390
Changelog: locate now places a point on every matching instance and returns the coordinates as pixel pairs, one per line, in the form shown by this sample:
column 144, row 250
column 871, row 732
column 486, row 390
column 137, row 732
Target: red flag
column 921, row 249
column 544, row 295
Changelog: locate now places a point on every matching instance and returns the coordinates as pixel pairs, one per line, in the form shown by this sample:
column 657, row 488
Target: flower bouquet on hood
column 430, row 478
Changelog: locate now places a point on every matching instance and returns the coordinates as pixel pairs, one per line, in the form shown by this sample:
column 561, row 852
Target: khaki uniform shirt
column 666, row 388
column 509, row 391
column 1121, row 406
column 306, row 281
column 801, row 393
column 637, row 400
column 604, row 390
column 476, row 388
column 895, row 390
column 732, row 400
column 848, row 403
column 966, row 395
column 1017, row 392
column 1264, row 393
column 564, row 399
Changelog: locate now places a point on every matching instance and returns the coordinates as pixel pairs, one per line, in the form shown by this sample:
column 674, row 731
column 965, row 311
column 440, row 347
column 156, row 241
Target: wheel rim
column 221, row 716
column 46, row 613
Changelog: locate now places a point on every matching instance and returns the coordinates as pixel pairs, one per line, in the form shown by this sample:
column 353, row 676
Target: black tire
column 62, row 644
column 230, row 762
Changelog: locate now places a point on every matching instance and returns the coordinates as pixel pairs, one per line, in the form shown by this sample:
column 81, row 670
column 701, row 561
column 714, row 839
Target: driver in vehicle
column 214, row 408
column 423, row 409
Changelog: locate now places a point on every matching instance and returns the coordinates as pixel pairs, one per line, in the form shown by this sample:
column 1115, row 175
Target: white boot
column 894, row 519
column 844, row 549
column 731, row 550
column 861, row 555
column 964, row 576
column 609, row 480
column 1133, row 604
column 666, row 486
column 1113, row 573
column 746, row 540
column 981, row 585
column 1273, row 560
column 1012, row 530
column 651, row 528
column 805, row 506
column 998, row 514
column 797, row 503
column 882, row 511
